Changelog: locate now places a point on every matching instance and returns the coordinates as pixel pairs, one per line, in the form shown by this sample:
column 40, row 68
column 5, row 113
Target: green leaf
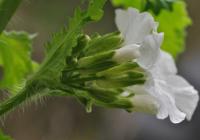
column 95, row 11
column 7, row 9
column 157, row 5
column 62, row 43
column 139, row 4
column 173, row 24
column 4, row 137
column 15, row 58
column 143, row 5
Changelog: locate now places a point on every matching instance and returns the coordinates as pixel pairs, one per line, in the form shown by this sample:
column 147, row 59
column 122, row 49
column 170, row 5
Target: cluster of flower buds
column 98, row 74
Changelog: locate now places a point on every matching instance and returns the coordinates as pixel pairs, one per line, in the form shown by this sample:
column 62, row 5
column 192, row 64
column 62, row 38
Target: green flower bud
column 94, row 60
column 104, row 43
column 82, row 43
column 123, row 103
column 124, row 80
column 118, row 69
column 103, row 95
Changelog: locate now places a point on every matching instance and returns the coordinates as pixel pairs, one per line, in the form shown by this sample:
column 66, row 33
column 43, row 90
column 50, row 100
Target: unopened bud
column 94, row 60
column 144, row 103
column 104, row 43
column 117, row 70
column 82, row 43
column 103, row 95
column 127, row 53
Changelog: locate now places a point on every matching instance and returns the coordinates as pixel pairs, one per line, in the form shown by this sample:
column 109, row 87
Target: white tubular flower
column 164, row 92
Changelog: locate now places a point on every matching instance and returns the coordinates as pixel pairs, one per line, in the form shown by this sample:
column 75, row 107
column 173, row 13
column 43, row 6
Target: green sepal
column 135, row 74
column 89, row 105
column 104, row 43
column 122, row 103
column 101, row 66
column 103, row 95
column 87, row 102
column 121, row 81
column 83, row 41
column 117, row 70
column 91, row 61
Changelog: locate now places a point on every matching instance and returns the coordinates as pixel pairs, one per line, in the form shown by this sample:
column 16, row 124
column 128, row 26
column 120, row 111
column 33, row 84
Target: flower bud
column 123, row 103
column 127, row 53
column 117, row 70
column 83, row 41
column 103, row 95
column 94, row 60
column 104, row 43
column 144, row 103
column 123, row 80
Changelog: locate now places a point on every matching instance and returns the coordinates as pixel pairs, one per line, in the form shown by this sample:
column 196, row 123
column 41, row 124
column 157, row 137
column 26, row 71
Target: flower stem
column 26, row 93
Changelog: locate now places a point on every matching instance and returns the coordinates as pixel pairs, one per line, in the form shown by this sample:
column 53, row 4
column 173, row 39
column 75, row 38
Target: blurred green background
column 62, row 118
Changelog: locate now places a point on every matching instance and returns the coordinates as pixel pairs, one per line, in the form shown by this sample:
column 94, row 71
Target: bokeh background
column 63, row 118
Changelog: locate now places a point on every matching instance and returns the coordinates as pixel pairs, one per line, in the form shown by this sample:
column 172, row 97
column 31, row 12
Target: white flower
column 164, row 93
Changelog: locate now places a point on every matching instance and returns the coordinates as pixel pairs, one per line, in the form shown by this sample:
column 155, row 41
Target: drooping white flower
column 176, row 97
column 164, row 92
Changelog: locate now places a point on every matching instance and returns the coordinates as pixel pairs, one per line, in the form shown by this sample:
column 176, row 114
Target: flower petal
column 185, row 95
column 166, row 64
column 134, row 26
column 142, row 101
column 161, row 92
column 127, row 53
column 163, row 67
column 150, row 50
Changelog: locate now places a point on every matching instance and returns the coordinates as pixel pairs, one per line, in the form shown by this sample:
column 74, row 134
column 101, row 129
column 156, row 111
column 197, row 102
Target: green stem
column 7, row 9
column 29, row 91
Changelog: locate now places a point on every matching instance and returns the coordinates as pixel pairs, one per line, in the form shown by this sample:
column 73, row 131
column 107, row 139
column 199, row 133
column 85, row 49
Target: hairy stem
column 26, row 93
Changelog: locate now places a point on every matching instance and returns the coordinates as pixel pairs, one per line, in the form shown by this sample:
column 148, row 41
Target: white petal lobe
column 150, row 50
column 134, row 26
